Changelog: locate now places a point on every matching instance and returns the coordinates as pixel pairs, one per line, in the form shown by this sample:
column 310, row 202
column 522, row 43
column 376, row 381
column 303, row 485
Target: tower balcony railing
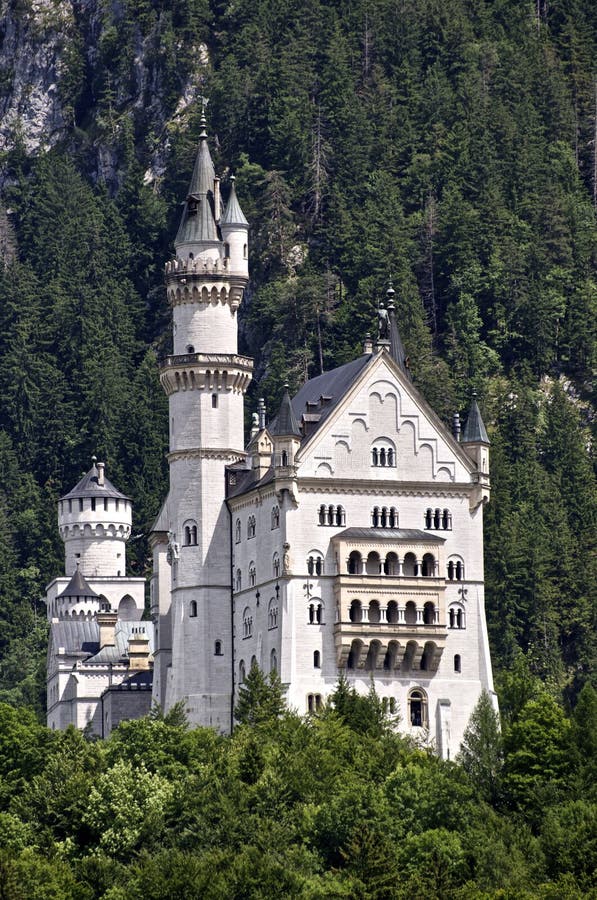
column 202, row 359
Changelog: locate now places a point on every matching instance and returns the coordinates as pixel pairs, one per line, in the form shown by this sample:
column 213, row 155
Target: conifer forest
column 447, row 145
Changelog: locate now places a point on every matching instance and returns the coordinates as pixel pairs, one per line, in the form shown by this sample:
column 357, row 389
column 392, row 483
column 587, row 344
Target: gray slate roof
column 89, row 487
column 474, row 430
column 285, row 422
column 233, row 214
column 333, row 385
column 389, row 534
column 77, row 636
column 78, row 587
column 200, row 225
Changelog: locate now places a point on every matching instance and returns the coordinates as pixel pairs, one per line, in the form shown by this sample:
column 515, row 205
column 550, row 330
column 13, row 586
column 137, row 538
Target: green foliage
column 260, row 698
column 481, row 751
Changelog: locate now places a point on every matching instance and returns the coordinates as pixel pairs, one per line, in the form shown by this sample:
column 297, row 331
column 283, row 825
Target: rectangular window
column 214, row 401
column 105, row 503
column 81, row 505
column 93, row 504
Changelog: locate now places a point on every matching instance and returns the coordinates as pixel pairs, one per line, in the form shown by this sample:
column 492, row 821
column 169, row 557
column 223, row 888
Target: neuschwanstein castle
column 346, row 536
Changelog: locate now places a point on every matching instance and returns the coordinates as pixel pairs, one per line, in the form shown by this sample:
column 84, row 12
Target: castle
column 347, row 536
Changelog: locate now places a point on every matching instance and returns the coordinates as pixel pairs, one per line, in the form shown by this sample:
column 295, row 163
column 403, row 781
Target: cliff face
column 36, row 41
column 94, row 76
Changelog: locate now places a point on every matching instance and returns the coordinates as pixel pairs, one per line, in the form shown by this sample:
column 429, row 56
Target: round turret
column 235, row 234
column 94, row 520
column 77, row 600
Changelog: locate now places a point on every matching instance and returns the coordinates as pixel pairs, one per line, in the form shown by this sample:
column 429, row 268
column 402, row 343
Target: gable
column 382, row 429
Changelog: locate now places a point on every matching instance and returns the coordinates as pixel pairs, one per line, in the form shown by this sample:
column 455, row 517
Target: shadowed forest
column 450, row 145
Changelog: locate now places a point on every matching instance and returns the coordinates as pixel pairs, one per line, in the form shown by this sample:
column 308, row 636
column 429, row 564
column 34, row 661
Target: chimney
column 368, row 344
column 107, row 627
column 139, row 650
column 217, row 203
column 456, row 429
column 100, row 473
column 261, row 412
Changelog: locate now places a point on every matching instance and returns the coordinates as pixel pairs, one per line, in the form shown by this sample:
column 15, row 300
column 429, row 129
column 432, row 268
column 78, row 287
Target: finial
column 94, row 459
column 203, row 120
column 390, row 293
column 474, row 394
column 286, row 385
column 233, row 178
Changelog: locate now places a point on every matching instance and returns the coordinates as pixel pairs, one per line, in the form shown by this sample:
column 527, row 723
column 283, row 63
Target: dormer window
column 192, row 207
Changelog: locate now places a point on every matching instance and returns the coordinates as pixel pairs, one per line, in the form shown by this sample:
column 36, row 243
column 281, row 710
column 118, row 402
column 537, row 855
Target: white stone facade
column 256, row 550
column 99, row 652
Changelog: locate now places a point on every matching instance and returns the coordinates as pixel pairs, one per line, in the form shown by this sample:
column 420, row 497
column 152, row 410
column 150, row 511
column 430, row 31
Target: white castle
column 346, row 537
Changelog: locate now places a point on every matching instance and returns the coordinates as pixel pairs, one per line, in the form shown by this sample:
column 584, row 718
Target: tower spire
column 397, row 351
column 198, row 228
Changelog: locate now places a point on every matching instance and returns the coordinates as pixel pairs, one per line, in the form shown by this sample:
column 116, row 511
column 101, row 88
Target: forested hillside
column 446, row 144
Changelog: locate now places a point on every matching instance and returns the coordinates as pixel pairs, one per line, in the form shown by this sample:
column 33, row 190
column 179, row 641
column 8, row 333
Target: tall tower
column 205, row 380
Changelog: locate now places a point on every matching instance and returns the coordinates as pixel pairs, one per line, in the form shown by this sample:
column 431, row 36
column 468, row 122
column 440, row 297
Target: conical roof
column 285, row 422
column 233, row 214
column 198, row 222
column 89, row 486
column 78, row 587
column 474, row 430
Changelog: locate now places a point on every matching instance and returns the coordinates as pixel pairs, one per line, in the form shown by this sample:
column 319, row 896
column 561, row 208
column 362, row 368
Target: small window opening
column 218, row 648
column 193, row 609
column 457, row 663
column 316, row 659
column 214, row 401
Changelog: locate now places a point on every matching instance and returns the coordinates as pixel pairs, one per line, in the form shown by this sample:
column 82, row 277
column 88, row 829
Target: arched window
column 322, row 515
column 429, row 518
column 284, row 458
column 417, row 708
column 237, row 531
column 410, row 613
column 247, row 623
column 190, row 534
column 238, row 580
column 456, row 617
column 354, row 655
column 429, row 614
column 428, row 565
column 459, row 571
column 392, row 612
column 315, row 612
column 315, row 563
column 251, row 527
column 372, row 654
column 273, row 661
column 390, row 565
column 450, row 571
column 355, row 613
column 242, row 674
column 457, row 663
column 383, row 454
column 340, row 516
column 218, row 648
column 331, row 514
column 244, row 251
column 252, row 574
column 275, row 517
column 374, row 612
column 355, row 563
column 409, row 565
column 193, row 609
column 393, row 519
column 276, row 565
column 316, row 659
column 383, row 519
column 272, row 614
column 375, row 517
column 446, row 520
column 437, row 518
column 373, row 566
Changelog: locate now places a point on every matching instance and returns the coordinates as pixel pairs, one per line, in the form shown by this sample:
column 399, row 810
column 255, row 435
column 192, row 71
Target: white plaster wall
column 209, row 327
column 194, row 423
